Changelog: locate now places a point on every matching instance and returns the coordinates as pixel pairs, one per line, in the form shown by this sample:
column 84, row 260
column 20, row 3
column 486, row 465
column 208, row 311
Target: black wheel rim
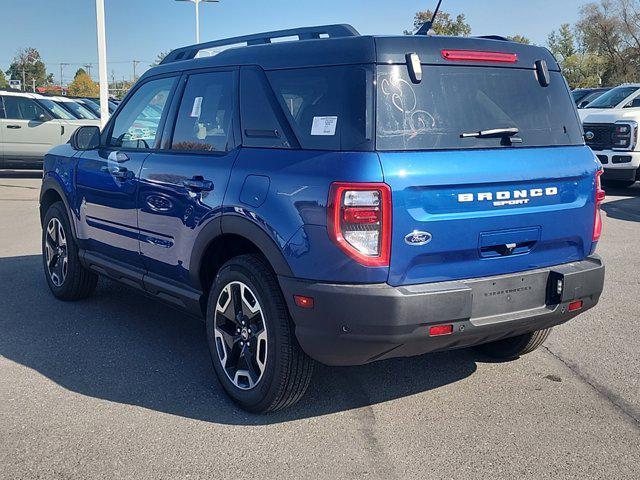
column 56, row 252
column 240, row 335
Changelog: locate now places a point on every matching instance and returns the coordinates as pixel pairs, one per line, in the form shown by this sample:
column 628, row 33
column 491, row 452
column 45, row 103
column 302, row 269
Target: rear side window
column 138, row 122
column 455, row 100
column 21, row 108
column 329, row 108
column 205, row 118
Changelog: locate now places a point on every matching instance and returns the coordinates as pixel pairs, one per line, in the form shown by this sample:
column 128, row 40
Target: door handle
column 198, row 184
column 118, row 172
column 14, row 127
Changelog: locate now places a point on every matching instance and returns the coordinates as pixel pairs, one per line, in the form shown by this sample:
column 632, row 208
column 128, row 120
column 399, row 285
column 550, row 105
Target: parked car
column 611, row 130
column 340, row 198
column 78, row 110
column 584, row 96
column 93, row 104
column 30, row 125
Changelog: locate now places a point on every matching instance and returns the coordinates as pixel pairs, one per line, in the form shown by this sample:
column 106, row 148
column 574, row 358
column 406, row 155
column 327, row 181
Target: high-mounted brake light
column 478, row 56
column 359, row 221
column 599, row 198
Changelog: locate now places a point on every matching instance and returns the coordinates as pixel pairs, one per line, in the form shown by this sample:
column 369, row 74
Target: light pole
column 102, row 63
column 197, row 3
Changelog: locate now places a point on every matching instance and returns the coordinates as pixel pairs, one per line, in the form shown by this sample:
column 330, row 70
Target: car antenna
column 425, row 29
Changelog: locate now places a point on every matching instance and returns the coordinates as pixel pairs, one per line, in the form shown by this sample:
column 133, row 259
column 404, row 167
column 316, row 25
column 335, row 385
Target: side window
column 2, row 115
column 260, row 110
column 137, row 124
column 21, row 108
column 329, row 108
column 205, row 117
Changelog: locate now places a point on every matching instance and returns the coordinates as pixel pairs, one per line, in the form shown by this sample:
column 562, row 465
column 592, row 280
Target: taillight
column 478, row 56
column 599, row 198
column 359, row 221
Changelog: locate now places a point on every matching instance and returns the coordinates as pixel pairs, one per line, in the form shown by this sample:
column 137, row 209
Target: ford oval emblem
column 417, row 238
column 589, row 135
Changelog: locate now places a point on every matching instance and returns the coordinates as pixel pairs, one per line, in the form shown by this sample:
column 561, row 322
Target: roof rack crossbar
column 309, row 33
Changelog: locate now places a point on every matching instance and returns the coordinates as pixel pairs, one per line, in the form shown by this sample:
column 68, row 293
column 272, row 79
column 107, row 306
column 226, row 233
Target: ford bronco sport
column 336, row 198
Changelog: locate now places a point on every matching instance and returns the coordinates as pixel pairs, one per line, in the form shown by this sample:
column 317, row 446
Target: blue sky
column 64, row 30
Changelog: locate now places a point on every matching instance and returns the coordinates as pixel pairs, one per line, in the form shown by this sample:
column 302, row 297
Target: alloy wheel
column 240, row 335
column 56, row 252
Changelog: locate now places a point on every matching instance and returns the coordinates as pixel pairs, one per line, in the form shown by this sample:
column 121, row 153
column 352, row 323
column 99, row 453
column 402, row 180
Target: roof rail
column 309, row 33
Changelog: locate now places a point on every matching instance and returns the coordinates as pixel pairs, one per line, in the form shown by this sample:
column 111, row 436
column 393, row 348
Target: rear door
column 29, row 131
column 182, row 187
column 107, row 178
column 475, row 207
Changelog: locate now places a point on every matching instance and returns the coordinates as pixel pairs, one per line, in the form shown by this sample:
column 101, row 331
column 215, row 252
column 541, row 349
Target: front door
column 107, row 178
column 182, row 187
column 28, row 131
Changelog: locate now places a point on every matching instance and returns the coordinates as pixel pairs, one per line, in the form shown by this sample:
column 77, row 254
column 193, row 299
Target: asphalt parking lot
column 119, row 386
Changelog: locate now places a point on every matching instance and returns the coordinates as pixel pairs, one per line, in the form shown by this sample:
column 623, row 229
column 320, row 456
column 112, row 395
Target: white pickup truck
column 611, row 130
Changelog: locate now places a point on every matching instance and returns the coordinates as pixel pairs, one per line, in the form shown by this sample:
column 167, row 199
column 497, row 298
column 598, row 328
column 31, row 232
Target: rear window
column 329, row 108
column 454, row 100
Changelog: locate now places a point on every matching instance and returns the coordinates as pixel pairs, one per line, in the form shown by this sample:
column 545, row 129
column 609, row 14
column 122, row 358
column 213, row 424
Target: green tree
column 159, row 59
column 28, row 66
column 519, row 39
column 582, row 68
column 3, row 80
column 83, row 86
column 445, row 24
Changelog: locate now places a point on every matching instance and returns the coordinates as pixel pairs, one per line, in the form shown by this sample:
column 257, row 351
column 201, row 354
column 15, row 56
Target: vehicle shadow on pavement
column 626, row 209
column 20, row 173
column 124, row 347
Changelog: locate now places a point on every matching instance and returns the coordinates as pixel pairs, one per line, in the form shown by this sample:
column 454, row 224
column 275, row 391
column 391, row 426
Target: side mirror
column 43, row 117
column 583, row 104
column 86, row 138
column 635, row 103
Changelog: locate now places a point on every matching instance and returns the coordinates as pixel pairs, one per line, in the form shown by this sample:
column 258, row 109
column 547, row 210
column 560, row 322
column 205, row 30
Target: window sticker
column 324, row 126
column 197, row 107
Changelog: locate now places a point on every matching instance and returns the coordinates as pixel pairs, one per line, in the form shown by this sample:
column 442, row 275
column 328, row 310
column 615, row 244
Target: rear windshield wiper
column 508, row 135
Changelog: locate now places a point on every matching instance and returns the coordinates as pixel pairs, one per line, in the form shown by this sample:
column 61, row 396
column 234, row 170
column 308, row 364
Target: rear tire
column 68, row 280
column 251, row 338
column 619, row 183
column 514, row 347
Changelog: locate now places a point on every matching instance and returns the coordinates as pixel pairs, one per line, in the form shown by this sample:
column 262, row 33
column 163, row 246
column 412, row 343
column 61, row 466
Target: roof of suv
column 340, row 45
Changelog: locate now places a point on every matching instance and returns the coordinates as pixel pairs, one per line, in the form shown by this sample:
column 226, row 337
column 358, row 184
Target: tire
column 68, row 280
column 514, row 347
column 619, row 183
column 280, row 371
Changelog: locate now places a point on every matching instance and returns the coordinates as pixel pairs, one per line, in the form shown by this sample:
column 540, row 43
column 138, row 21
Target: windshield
column 78, row 110
column 613, row 98
column 456, row 101
column 56, row 109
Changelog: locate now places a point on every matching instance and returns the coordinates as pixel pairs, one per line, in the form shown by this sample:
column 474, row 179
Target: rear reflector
column 303, row 302
column 574, row 306
column 477, row 56
column 440, row 330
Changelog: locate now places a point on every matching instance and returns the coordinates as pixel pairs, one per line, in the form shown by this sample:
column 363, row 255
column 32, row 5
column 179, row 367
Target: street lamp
column 197, row 3
column 102, row 63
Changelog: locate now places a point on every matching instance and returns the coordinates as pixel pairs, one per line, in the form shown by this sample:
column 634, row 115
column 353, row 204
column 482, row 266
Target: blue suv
column 336, row 198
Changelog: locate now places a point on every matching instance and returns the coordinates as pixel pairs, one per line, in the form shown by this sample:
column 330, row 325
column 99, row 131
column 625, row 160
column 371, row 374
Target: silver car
column 30, row 125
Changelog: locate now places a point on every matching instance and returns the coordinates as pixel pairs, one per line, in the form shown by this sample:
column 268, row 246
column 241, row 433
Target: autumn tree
column 83, row 86
column 3, row 80
column 445, row 24
column 28, row 66
column 80, row 71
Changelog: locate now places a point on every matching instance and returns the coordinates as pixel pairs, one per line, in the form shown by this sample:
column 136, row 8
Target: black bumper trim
column 620, row 174
column 358, row 324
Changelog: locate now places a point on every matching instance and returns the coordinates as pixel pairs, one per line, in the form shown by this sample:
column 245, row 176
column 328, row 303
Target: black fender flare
column 237, row 225
column 49, row 184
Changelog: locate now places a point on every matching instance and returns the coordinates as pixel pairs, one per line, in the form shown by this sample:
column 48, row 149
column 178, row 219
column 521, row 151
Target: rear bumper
column 359, row 324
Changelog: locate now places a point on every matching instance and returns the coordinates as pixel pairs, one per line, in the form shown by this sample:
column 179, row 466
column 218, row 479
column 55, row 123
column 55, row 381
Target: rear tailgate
column 489, row 212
